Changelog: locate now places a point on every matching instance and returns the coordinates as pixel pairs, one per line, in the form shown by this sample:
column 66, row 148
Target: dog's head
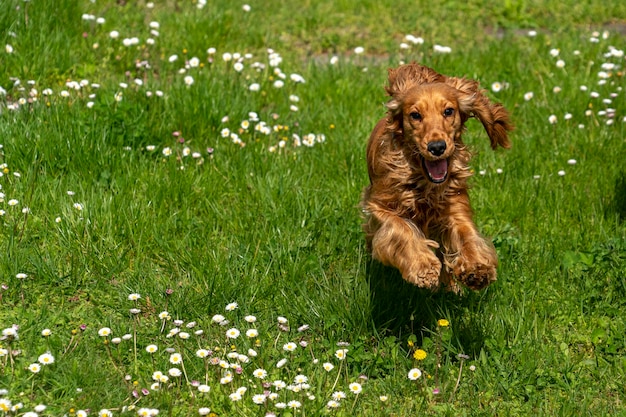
column 429, row 111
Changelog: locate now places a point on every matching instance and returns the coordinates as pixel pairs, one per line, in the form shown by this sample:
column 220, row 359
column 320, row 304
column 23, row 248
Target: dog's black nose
column 437, row 148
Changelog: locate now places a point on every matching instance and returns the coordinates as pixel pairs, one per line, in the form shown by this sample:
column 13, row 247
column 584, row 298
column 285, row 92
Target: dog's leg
column 469, row 256
column 397, row 242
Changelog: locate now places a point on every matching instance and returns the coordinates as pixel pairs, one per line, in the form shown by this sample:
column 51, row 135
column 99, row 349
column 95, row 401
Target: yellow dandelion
column 443, row 323
column 420, row 354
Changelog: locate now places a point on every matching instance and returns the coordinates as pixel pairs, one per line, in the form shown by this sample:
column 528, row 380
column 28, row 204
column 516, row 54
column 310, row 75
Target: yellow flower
column 420, row 354
column 410, row 343
column 443, row 323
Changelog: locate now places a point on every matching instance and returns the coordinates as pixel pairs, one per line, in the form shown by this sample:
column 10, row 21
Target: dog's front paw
column 475, row 275
column 424, row 271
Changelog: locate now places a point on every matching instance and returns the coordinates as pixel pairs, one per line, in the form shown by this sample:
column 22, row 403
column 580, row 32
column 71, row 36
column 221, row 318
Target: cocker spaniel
column 418, row 217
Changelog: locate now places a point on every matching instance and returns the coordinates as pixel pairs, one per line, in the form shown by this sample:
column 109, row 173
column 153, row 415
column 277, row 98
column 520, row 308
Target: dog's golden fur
column 417, row 209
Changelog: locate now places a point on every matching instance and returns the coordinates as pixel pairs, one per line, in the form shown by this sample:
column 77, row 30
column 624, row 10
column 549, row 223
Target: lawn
column 180, row 231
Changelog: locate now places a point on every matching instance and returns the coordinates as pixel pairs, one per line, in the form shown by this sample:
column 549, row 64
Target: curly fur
column 417, row 211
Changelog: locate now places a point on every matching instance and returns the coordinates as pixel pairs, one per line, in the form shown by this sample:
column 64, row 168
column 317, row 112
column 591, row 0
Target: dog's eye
column 448, row 112
column 415, row 116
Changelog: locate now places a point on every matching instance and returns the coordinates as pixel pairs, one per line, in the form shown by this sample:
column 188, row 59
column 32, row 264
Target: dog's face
column 432, row 123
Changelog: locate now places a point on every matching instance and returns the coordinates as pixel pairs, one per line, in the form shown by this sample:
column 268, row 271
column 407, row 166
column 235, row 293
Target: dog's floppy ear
column 493, row 116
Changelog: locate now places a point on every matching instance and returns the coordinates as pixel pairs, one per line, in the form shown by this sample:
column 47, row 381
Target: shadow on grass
column 619, row 203
column 400, row 309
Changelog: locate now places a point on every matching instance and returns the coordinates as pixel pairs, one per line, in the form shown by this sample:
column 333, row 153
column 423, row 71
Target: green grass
column 277, row 229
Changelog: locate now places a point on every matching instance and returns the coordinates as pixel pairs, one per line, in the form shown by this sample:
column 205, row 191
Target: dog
column 417, row 212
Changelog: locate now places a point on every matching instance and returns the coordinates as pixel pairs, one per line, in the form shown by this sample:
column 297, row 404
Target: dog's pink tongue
column 437, row 169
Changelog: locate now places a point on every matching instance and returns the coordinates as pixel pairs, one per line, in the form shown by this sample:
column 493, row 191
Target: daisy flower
column 339, row 395
column 5, row 405
column 218, row 318
column 290, row 347
column 260, row 373
column 235, row 396
column 46, row 359
column 104, row 332
column 204, row 388
column 258, row 399
column 134, row 297
column 414, row 374
column 355, row 388
column 204, row 411
column 294, row 404
column 442, row 49
column 333, row 404
column 34, row 367
column 176, row 358
column 341, row 354
column 232, row 333
column 10, row 333
column 301, row 379
column 328, row 366
column 202, row 353
column 297, row 78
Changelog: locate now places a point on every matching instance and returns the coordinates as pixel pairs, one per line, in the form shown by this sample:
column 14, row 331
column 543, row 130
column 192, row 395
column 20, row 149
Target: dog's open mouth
column 437, row 170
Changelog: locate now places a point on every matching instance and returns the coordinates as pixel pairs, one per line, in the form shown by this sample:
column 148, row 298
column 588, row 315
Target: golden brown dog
column 417, row 201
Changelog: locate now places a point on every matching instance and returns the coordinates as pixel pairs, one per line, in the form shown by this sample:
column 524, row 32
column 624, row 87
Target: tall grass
column 119, row 178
